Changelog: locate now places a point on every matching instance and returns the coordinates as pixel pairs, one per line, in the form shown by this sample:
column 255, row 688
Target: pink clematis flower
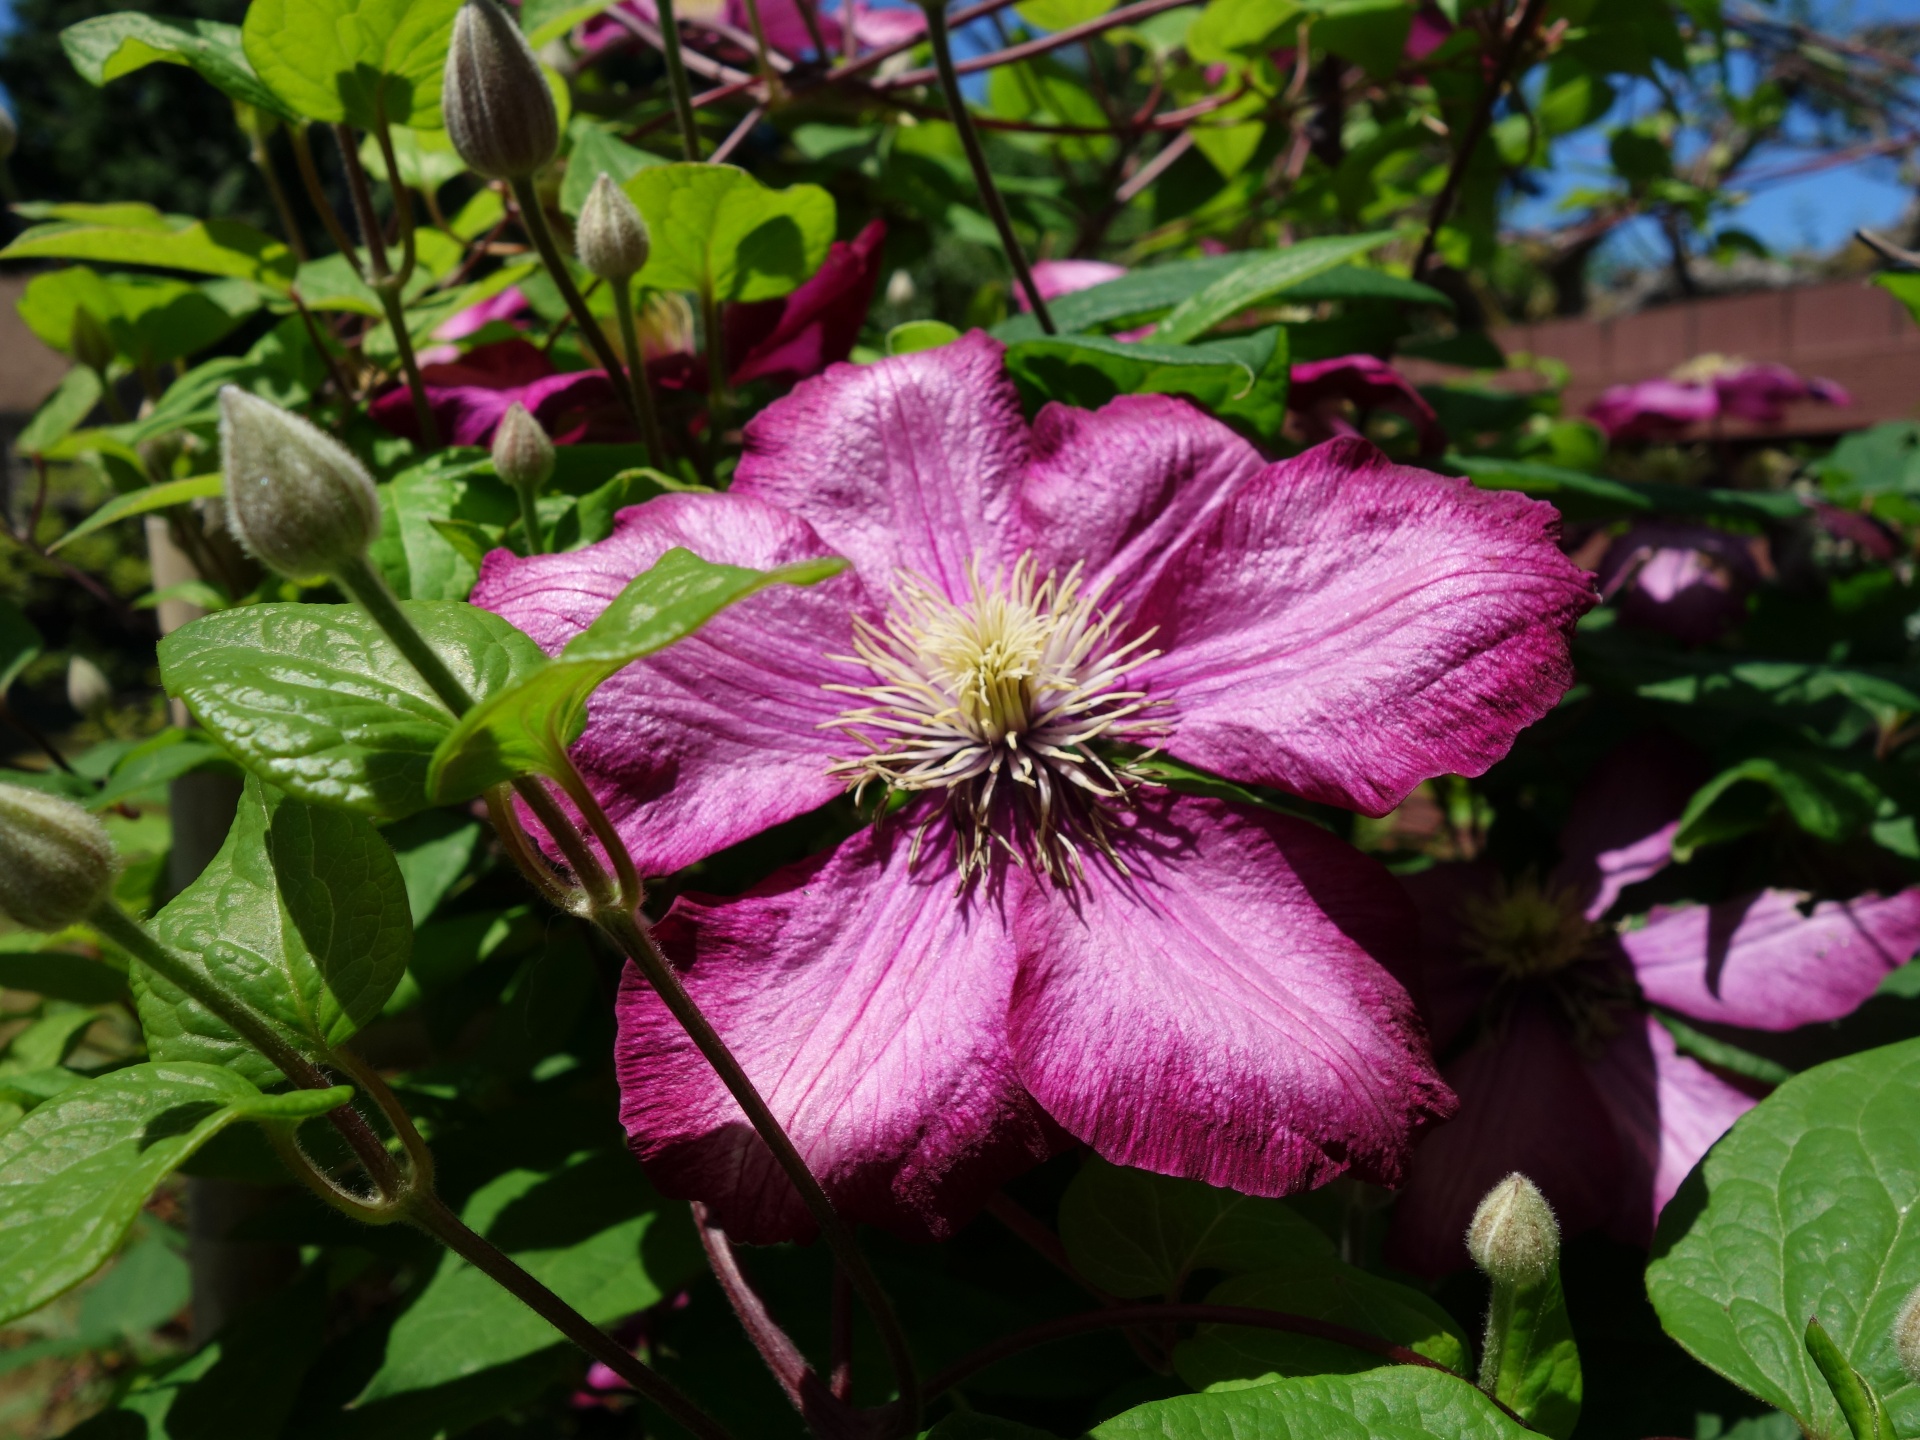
column 470, row 396
column 1040, row 941
column 798, row 335
column 1561, row 1069
column 1704, row 389
column 507, row 307
column 874, row 26
column 1322, row 390
column 1688, row 580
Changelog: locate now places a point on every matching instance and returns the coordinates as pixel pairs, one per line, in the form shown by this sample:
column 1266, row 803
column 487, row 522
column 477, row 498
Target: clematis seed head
column 522, row 454
column 1514, row 1237
column 498, row 110
column 611, row 239
column 297, row 499
column 1906, row 1335
column 56, row 862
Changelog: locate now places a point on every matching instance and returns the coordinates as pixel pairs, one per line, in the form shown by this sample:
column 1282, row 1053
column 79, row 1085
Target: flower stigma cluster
column 1536, row 940
column 999, row 700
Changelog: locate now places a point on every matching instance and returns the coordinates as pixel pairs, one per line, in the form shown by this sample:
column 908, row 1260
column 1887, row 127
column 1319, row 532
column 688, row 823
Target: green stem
column 388, row 283
column 977, row 158
column 637, row 374
column 402, row 199
column 364, row 583
column 630, row 934
column 716, row 362
column 572, row 843
column 282, row 207
column 317, row 195
column 535, row 219
column 1499, row 1322
column 389, row 292
column 530, row 518
column 431, row 1214
column 677, row 81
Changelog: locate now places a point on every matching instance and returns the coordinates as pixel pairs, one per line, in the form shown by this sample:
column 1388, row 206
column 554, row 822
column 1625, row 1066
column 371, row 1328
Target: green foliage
column 720, row 233
column 109, row 46
column 365, row 62
column 1399, row 1403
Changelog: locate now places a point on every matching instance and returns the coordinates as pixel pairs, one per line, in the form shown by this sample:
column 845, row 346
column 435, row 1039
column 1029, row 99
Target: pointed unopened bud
column 1514, row 1237
column 611, row 238
column 498, row 110
column 1906, row 1335
column 89, row 341
column 522, row 454
column 56, row 862
column 88, row 688
column 296, row 498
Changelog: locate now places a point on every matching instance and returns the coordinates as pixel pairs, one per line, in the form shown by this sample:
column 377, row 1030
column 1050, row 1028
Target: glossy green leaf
column 1593, row 497
column 1802, row 1211
column 459, row 488
column 595, row 153
column 1089, row 370
column 1904, row 286
column 718, row 231
column 62, row 412
column 20, row 644
column 1257, row 281
column 1529, row 1360
column 1134, row 1233
column 144, row 502
column 1858, row 1403
column 1319, row 1285
column 918, row 335
column 1824, row 796
column 1059, row 14
column 204, row 247
column 151, row 321
column 109, row 46
column 1229, row 30
column 1402, row 1402
column 75, row 1173
column 303, row 915
column 315, row 699
column 526, row 728
column 547, row 20
column 358, row 61
column 593, row 1230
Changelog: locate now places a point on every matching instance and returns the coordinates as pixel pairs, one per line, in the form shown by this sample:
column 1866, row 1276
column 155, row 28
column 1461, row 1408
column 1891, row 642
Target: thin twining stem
column 677, row 80
column 637, row 380
column 977, row 158
column 317, row 196
column 1125, row 15
column 534, row 218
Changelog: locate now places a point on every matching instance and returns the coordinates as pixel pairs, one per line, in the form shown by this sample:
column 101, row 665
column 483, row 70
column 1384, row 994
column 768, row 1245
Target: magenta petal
column 1621, row 827
column 801, row 334
column 717, row 737
column 1054, row 278
column 910, row 463
column 1367, row 382
column 1346, row 628
column 1526, row 1104
column 1652, row 408
column 1119, row 489
column 1221, row 1013
column 1758, row 962
column 868, row 1003
column 1667, row 1110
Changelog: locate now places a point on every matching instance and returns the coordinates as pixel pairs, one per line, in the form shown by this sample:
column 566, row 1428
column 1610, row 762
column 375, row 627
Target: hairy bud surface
column 297, row 498
column 56, row 862
column 498, row 110
column 1514, row 1237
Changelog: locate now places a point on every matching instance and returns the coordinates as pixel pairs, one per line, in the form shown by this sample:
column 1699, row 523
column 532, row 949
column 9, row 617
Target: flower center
column 1538, row 943
column 1004, row 700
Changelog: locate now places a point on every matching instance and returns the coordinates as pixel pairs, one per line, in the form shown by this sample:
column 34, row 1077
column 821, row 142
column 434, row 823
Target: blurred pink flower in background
column 874, row 26
column 1704, row 389
column 1322, row 391
column 1688, row 580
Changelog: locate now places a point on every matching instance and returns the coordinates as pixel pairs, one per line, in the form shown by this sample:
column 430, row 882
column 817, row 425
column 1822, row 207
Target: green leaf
column 1402, row 1402
column 109, row 46
column 1323, row 1287
column 917, row 335
column 1904, row 286
column 1134, row 1234
column 61, row 975
column 76, row 1171
column 1530, row 1361
column 593, row 1231
column 1259, row 280
column 151, row 321
column 433, row 850
column 596, row 152
column 78, row 393
column 315, row 699
column 302, row 915
column 1803, row 1211
column 1826, row 798
column 20, row 644
column 1060, row 14
column 1371, row 33
column 1864, row 1413
column 143, row 502
column 719, row 232
column 358, row 61
column 526, row 727
column 204, row 247
column 1593, row 497
column 1229, row 30
column 547, row 20
column 458, row 488
column 1089, row 370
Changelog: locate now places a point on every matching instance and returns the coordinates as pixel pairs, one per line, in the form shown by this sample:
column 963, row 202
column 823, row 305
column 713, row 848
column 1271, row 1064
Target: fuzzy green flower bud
column 297, row 499
column 611, row 238
column 88, row 689
column 56, row 862
column 522, row 453
column 1514, row 1237
column 498, row 110
column 1906, row 1335
column 89, row 341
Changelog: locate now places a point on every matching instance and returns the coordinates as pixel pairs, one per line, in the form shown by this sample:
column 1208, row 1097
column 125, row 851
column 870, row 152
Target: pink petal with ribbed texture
column 1758, row 962
column 868, row 1003
column 1667, row 1110
column 1119, row 489
column 1346, row 627
column 912, row 462
column 716, row 737
column 1620, row 829
column 1526, row 1104
column 1220, row 1014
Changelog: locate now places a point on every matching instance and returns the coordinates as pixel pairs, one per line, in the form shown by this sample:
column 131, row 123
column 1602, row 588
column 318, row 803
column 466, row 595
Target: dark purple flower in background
column 1688, row 580
column 1040, row 941
column 798, row 335
column 1329, row 395
column 1540, row 1008
column 874, row 26
column 1705, row 389
column 471, row 395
